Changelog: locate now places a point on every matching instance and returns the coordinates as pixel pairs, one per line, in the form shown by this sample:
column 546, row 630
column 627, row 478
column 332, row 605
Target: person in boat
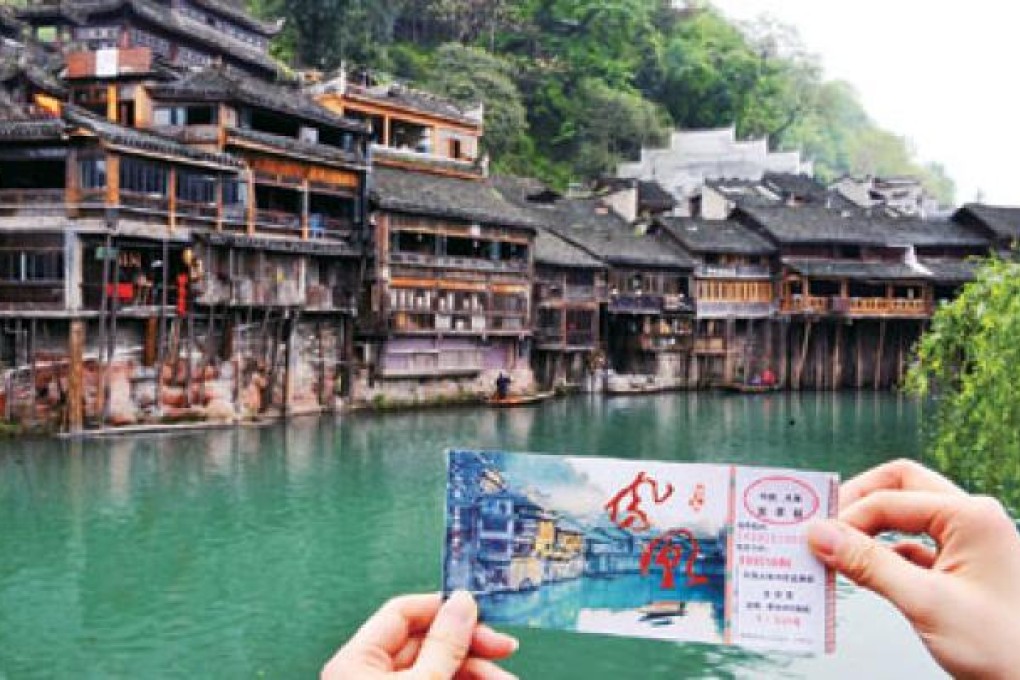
column 768, row 377
column 962, row 598
column 503, row 385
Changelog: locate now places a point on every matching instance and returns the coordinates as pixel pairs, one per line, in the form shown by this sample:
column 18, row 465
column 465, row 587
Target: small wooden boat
column 662, row 609
column 518, row 399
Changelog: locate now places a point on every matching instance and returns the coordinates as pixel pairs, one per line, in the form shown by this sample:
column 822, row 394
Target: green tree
column 967, row 363
column 470, row 75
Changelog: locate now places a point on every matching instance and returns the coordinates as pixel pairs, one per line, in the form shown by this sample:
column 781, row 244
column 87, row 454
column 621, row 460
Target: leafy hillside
column 574, row 86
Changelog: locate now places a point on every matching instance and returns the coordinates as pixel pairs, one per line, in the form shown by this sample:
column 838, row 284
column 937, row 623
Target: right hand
column 963, row 597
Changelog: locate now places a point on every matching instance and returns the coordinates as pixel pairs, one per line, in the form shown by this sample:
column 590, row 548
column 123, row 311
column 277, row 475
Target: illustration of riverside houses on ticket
column 674, row 551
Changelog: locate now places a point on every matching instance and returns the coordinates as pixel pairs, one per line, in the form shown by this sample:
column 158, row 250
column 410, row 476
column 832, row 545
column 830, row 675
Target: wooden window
column 143, row 177
column 18, row 266
column 196, row 188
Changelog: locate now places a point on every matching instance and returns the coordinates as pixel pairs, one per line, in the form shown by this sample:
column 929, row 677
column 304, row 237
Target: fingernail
column 462, row 606
column 824, row 538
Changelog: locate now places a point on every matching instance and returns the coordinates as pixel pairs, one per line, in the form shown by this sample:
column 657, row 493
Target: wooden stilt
column 32, row 374
column 879, row 357
column 821, row 351
column 837, row 357
column 289, row 356
column 75, row 377
column 784, row 349
column 103, row 331
column 900, row 329
column 161, row 342
column 860, row 355
column 798, row 369
column 111, row 338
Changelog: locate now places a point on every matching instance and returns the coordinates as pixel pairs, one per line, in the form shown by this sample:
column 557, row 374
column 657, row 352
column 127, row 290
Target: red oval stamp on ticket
column 781, row 500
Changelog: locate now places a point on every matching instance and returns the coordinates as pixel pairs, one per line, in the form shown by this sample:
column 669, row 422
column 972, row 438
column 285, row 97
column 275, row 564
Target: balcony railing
column 806, row 304
column 721, row 309
column 449, row 262
column 277, row 220
column 733, row 272
column 635, row 304
column 888, row 307
column 32, row 201
column 859, row 307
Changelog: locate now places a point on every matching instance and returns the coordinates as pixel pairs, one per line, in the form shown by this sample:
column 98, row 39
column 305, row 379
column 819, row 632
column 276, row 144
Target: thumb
column 448, row 641
column 869, row 564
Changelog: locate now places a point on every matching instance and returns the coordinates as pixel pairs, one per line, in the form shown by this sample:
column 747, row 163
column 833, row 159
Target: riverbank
column 381, row 405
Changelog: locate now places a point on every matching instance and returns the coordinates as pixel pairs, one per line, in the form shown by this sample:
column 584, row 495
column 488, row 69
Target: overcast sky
column 941, row 73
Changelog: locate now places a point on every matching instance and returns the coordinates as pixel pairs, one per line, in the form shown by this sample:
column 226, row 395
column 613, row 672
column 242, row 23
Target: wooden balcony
column 806, row 304
column 736, row 309
column 278, row 221
column 448, row 262
column 877, row 307
column 708, row 271
column 19, row 202
column 635, row 304
column 889, row 307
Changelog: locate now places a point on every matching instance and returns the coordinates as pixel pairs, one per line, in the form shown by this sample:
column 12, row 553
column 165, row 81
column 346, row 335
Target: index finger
column 897, row 475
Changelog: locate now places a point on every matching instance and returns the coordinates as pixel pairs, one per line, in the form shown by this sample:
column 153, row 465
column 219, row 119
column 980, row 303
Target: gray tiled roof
column 296, row 147
column 864, row 271
column 37, row 67
column 916, row 232
column 1002, row 221
column 141, row 139
column 716, row 236
column 416, row 100
column 78, row 12
column 587, row 224
column 951, row 271
column 550, row 249
column 237, row 13
column 810, row 224
column 776, row 189
column 419, row 193
column 220, row 83
column 553, row 250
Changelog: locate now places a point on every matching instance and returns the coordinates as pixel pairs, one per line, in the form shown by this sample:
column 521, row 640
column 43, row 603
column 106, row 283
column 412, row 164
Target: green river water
column 255, row 552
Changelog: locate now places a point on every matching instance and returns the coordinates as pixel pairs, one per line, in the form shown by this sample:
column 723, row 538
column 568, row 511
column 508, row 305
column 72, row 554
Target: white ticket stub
column 673, row 551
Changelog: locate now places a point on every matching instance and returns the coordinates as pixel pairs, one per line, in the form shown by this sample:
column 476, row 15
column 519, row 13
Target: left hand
column 420, row 637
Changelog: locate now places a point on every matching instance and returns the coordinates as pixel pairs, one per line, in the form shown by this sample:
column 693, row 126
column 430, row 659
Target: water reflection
column 258, row 550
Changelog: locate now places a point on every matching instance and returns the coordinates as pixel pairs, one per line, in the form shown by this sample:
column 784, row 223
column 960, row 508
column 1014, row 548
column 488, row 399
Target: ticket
column 673, row 551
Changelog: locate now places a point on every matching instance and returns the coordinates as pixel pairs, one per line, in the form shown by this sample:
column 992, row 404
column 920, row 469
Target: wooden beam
column 112, row 100
column 112, row 180
column 860, row 355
